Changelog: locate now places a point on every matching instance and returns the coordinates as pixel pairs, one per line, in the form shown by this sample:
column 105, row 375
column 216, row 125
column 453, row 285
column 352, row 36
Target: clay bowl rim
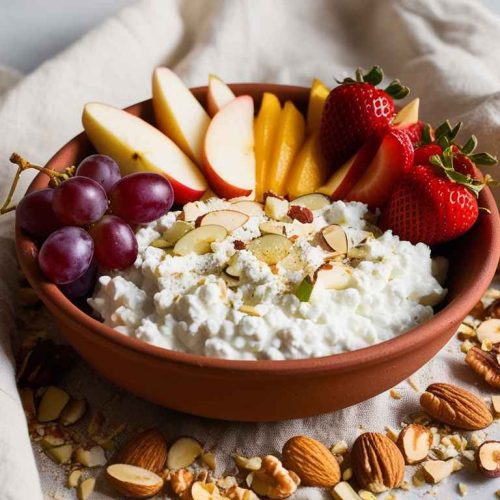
column 452, row 313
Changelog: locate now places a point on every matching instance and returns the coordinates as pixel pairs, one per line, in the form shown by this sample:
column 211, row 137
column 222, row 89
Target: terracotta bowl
column 265, row 390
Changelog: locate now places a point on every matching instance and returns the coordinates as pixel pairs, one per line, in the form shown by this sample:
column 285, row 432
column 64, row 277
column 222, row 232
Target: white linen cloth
column 448, row 51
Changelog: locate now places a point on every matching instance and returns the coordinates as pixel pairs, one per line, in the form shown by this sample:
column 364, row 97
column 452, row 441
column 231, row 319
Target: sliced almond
column 73, row 412
column 489, row 329
column 86, row 488
column 334, row 276
column 183, row 453
column 414, row 441
column 336, row 238
column 271, row 227
column 191, row 211
column 253, row 463
column 198, row 240
column 313, row 201
column 344, row 491
column 52, row 404
column 228, row 219
column 74, row 478
column 437, row 470
column 250, row 208
column 60, row 454
column 133, row 481
column 176, row 231
column 270, row 248
column 94, row 457
column 488, row 458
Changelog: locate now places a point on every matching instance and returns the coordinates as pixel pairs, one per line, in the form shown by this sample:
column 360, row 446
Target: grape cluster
column 86, row 221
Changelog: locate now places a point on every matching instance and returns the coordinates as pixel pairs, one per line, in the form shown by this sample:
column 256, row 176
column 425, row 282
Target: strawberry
column 354, row 111
column 414, row 131
column 432, row 203
column 423, row 153
column 393, row 159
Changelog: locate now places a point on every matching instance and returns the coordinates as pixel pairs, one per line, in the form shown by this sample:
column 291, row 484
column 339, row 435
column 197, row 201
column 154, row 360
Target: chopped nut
column 239, row 245
column 52, row 403
column 180, row 481
column 90, row 458
column 49, row 441
column 469, row 455
column 466, row 332
column 60, row 454
column 489, row 329
column 462, row 489
column 74, row 478
column 344, row 491
column 73, row 412
column 250, row 310
column 227, row 482
column 347, row 474
column 437, row 470
column 495, row 401
column 339, row 448
column 466, row 346
column 209, row 460
column 366, row 495
column 391, row 433
column 300, row 214
column 276, row 208
column 405, row 486
column 254, row 463
column 204, row 491
column 413, row 384
column 237, row 493
column 476, row 439
column 273, row 480
column 85, row 488
column 395, row 394
column 487, row 345
column 183, row 453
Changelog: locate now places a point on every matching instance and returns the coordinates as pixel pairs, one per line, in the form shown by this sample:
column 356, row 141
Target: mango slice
column 289, row 139
column 310, row 170
column 266, row 125
column 317, row 98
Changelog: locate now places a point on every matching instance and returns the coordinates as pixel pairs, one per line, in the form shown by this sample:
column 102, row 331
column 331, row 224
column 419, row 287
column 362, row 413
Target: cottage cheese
column 181, row 303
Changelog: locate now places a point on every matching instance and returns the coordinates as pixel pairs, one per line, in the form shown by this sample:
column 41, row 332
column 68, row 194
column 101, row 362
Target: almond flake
column 395, row 394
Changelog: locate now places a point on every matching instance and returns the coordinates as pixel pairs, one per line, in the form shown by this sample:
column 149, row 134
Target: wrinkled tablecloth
column 448, row 51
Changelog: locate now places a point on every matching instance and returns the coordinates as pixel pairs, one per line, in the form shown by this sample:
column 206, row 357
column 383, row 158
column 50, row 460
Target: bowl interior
column 473, row 261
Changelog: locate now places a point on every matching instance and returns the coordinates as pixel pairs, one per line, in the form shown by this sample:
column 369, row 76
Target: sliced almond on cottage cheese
column 489, row 329
column 250, row 208
column 270, row 227
column 229, row 219
column 270, row 248
column 176, row 231
column 199, row 240
column 313, row 201
column 336, row 238
column 192, row 210
column 334, row 276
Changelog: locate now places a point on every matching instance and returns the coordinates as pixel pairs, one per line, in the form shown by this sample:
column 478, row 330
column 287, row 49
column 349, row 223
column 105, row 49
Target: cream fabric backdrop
column 448, row 51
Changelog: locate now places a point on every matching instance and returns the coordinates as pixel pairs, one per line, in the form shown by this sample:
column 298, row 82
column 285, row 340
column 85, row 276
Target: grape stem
column 22, row 164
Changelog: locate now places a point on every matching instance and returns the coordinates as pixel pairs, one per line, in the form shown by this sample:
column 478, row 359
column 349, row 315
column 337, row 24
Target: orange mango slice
column 310, row 170
column 289, row 139
column 265, row 128
column 317, row 97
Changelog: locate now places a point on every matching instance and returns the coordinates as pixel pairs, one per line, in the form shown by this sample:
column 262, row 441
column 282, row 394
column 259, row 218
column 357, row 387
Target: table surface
column 48, row 26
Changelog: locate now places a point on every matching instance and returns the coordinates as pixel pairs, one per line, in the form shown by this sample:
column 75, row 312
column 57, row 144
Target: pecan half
column 486, row 364
column 302, row 214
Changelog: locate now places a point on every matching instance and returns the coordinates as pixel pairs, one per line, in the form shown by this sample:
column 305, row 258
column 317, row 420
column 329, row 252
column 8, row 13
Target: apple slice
column 344, row 179
column 408, row 114
column 137, row 146
column 312, row 201
column 336, row 238
column 393, row 159
column 218, row 94
column 199, row 240
column 228, row 156
column 251, row 208
column 178, row 113
column 270, row 248
column 229, row 219
column 334, row 276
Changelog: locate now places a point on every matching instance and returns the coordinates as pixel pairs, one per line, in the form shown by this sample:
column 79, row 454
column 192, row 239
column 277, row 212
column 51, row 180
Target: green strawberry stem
column 375, row 76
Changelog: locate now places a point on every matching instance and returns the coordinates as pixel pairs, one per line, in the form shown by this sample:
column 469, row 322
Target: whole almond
column 148, row 450
column 414, row 441
column 455, row 406
column 311, row 461
column 377, row 463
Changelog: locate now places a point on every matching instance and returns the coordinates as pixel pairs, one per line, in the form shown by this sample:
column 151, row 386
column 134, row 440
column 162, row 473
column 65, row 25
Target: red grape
column 66, row 254
column 100, row 168
column 34, row 214
column 83, row 285
column 141, row 198
column 79, row 201
column 115, row 242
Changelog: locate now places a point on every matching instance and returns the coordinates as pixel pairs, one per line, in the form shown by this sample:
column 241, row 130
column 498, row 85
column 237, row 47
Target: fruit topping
column 141, row 198
column 355, row 111
column 218, row 94
column 229, row 219
column 301, row 214
column 313, row 201
column 270, row 248
column 199, row 240
column 100, row 168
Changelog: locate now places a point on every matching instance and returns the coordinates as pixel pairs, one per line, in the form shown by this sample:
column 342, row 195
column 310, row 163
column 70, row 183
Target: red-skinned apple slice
column 228, row 156
column 218, row 95
column 393, row 159
column 344, row 179
column 137, row 146
column 229, row 219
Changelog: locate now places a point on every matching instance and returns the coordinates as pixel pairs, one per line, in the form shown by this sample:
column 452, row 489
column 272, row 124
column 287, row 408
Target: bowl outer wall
column 264, row 390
